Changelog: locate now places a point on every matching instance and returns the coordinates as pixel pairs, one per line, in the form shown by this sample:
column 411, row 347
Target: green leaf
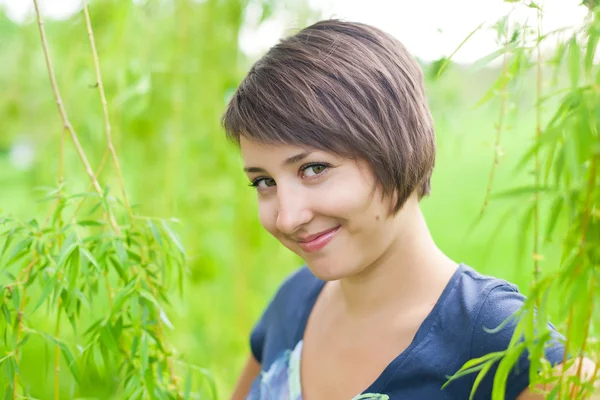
column 504, row 368
column 145, row 293
column 122, row 296
column 473, row 365
column 443, row 66
column 480, row 376
column 559, row 165
column 91, row 222
column 119, row 268
column 555, row 211
column 174, row 238
column 9, row 371
column 19, row 249
column 65, row 254
column 95, row 208
column 16, row 297
column 73, row 272
column 526, row 223
column 6, row 313
column 574, row 62
column 144, row 353
column 24, row 339
column 7, row 242
column 187, row 388
column 134, row 388
column 134, row 309
column 99, row 360
column 572, row 159
column 592, row 44
column 155, row 232
column 165, row 319
column 484, row 61
column 108, row 340
column 134, row 346
column 524, row 190
column 48, row 287
column 120, row 250
column 71, row 362
column 150, row 382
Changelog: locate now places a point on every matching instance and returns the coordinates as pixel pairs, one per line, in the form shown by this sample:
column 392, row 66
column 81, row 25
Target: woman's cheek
column 267, row 215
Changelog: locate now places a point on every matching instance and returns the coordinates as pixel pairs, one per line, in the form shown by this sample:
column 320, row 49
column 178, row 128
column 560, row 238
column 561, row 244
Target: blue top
column 450, row 335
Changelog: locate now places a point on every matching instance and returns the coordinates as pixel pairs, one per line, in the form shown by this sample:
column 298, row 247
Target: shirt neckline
column 392, row 368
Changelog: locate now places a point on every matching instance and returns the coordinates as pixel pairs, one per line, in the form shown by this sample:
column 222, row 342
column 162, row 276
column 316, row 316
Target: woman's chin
column 326, row 271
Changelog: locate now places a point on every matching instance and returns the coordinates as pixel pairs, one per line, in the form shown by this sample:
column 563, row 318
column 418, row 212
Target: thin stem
column 27, row 272
column 538, row 133
column 57, row 353
column 98, row 172
column 172, row 375
column 584, row 225
column 500, row 125
column 61, row 162
column 66, row 124
column 586, row 331
column 109, row 291
column 596, row 368
column 107, row 126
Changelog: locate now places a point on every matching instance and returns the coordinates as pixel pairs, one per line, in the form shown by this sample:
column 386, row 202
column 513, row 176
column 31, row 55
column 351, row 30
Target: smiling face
column 325, row 208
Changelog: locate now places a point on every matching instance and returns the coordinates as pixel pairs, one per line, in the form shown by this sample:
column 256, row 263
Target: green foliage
column 112, row 289
column 564, row 160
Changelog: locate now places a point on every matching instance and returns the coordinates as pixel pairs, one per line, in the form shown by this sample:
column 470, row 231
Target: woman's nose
column 292, row 210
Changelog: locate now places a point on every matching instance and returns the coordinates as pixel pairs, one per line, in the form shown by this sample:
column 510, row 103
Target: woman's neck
column 411, row 272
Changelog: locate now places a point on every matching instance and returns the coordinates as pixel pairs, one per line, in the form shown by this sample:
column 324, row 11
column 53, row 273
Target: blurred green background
column 169, row 68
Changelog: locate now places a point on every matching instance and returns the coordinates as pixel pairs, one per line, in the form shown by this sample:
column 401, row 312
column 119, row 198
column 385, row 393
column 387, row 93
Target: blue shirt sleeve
column 266, row 322
column 278, row 327
column 257, row 337
column 501, row 303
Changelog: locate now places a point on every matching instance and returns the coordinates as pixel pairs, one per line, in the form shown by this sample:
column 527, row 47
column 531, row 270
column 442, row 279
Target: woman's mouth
column 317, row 241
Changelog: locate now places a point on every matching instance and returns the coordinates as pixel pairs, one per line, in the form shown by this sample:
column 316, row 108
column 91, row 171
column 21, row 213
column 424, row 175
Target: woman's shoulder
column 484, row 303
column 480, row 317
column 479, row 296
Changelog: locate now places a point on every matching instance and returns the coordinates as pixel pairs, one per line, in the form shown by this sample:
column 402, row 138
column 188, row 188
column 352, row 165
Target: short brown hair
column 346, row 88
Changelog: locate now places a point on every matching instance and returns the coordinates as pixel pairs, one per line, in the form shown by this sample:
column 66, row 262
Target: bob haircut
column 345, row 88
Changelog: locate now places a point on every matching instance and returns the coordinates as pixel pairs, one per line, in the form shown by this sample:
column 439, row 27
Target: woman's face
column 323, row 207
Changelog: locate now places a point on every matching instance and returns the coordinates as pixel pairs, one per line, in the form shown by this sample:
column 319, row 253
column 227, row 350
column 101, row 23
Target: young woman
column 337, row 138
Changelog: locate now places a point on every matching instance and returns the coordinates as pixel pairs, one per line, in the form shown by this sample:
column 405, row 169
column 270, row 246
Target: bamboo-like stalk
column 538, row 134
column 66, row 123
column 98, row 172
column 500, row 125
column 57, row 353
column 172, row 376
column 596, row 368
column 586, row 332
column 19, row 328
column 107, row 126
column 591, row 185
column 584, row 226
column 178, row 99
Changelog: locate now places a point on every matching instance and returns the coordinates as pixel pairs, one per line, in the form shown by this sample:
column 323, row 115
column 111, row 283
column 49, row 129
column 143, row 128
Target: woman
column 337, row 138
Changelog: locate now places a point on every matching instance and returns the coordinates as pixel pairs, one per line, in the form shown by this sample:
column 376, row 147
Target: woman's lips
column 318, row 242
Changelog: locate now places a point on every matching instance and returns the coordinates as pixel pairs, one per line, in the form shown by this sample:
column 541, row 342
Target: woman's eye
column 262, row 183
column 314, row 169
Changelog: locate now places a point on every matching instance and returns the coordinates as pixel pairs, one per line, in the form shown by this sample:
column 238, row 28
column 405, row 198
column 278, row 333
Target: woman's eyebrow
column 289, row 161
